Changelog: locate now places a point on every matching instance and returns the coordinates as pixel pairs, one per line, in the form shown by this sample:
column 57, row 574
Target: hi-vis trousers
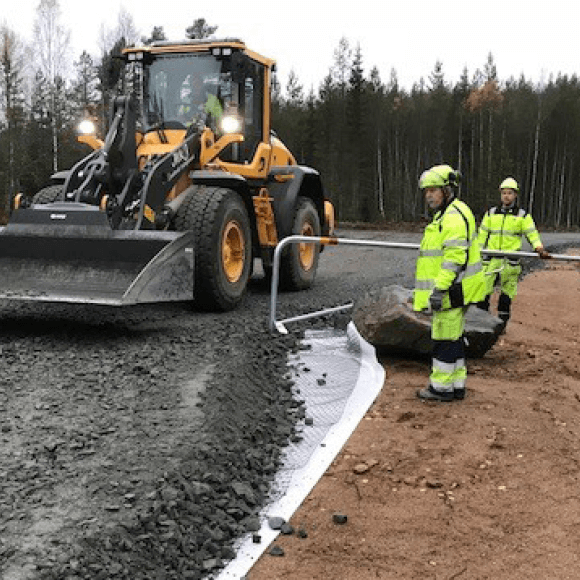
column 448, row 370
column 505, row 273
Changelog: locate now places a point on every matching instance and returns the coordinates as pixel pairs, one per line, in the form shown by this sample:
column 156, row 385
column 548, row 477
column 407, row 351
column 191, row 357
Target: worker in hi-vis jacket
column 503, row 228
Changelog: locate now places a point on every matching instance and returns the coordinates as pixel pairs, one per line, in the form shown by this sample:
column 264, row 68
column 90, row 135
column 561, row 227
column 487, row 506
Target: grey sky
column 525, row 37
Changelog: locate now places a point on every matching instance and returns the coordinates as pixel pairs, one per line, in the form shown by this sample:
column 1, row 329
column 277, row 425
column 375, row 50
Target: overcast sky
column 533, row 38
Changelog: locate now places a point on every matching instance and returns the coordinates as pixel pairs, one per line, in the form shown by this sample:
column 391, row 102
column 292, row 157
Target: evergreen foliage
column 372, row 140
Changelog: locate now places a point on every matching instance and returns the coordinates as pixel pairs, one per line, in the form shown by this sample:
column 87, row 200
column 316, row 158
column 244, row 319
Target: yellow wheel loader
column 189, row 185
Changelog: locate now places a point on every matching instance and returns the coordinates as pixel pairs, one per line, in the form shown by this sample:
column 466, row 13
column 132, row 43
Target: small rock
column 361, row 468
column 276, row 550
column 433, row 483
column 276, row 523
column 339, row 518
column 287, row 529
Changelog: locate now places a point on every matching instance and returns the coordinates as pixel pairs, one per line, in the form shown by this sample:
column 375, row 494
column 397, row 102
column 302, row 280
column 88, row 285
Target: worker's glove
column 544, row 254
column 436, row 300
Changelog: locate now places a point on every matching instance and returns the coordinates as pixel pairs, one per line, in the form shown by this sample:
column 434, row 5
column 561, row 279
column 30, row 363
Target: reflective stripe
column 444, row 367
column 456, row 244
column 425, row 284
column 504, row 232
column 529, row 231
column 470, row 270
column 430, row 253
column 451, row 266
column 473, row 269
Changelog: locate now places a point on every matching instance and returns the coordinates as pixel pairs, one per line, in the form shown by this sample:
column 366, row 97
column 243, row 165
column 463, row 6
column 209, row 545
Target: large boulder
column 385, row 318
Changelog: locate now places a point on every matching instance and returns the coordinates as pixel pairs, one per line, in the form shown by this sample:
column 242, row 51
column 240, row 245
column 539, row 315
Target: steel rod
column 331, row 241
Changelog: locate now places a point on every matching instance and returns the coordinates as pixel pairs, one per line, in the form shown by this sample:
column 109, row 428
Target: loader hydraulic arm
column 110, row 168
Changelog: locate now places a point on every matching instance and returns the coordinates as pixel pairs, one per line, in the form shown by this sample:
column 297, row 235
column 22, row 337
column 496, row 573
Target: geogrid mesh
column 325, row 376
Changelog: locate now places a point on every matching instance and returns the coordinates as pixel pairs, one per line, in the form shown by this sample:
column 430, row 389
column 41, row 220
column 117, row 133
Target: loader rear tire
column 299, row 262
column 48, row 194
column 223, row 245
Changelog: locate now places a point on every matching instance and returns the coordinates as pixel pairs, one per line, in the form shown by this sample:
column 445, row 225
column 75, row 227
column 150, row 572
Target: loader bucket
column 68, row 252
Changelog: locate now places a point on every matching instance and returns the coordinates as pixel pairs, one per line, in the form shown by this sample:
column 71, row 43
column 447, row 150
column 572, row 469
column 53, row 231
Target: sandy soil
column 482, row 488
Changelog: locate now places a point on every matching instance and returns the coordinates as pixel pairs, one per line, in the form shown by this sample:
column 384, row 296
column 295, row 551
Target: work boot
column 459, row 394
column 431, row 394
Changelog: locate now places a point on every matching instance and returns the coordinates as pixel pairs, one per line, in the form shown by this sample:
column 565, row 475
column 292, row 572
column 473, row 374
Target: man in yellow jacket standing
column 502, row 228
column 449, row 277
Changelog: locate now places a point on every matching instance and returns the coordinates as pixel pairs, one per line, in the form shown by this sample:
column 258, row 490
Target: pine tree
column 200, row 29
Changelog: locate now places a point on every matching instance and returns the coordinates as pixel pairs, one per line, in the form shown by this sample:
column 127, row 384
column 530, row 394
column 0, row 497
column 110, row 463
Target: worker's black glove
column 436, row 300
column 544, row 254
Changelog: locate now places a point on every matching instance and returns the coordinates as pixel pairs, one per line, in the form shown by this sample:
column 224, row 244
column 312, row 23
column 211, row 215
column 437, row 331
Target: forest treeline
column 369, row 139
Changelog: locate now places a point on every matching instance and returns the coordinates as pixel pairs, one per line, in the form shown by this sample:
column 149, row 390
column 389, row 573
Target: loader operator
column 449, row 277
column 502, row 228
column 198, row 102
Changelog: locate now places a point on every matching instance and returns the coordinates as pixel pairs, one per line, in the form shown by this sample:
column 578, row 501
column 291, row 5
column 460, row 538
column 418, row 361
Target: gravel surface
column 140, row 443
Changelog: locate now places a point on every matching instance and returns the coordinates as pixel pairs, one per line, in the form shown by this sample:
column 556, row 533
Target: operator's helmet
column 510, row 183
column 439, row 176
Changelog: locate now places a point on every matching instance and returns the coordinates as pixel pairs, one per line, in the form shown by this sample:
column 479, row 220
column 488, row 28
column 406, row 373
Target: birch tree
column 53, row 45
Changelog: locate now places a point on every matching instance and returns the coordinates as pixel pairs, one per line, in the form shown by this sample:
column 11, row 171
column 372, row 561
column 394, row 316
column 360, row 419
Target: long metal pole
column 320, row 241
column 331, row 241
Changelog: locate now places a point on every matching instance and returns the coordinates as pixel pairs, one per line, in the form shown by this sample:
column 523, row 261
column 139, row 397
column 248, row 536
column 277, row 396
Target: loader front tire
column 223, row 245
column 299, row 262
column 48, row 194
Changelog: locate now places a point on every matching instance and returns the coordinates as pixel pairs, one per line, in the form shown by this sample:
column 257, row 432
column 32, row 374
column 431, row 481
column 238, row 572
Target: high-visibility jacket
column 214, row 107
column 503, row 229
column 450, row 260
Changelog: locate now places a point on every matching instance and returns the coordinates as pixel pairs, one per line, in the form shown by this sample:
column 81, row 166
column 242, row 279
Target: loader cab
column 194, row 86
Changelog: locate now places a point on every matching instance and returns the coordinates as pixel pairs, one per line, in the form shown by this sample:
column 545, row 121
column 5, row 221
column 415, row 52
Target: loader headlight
column 231, row 124
column 86, row 127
